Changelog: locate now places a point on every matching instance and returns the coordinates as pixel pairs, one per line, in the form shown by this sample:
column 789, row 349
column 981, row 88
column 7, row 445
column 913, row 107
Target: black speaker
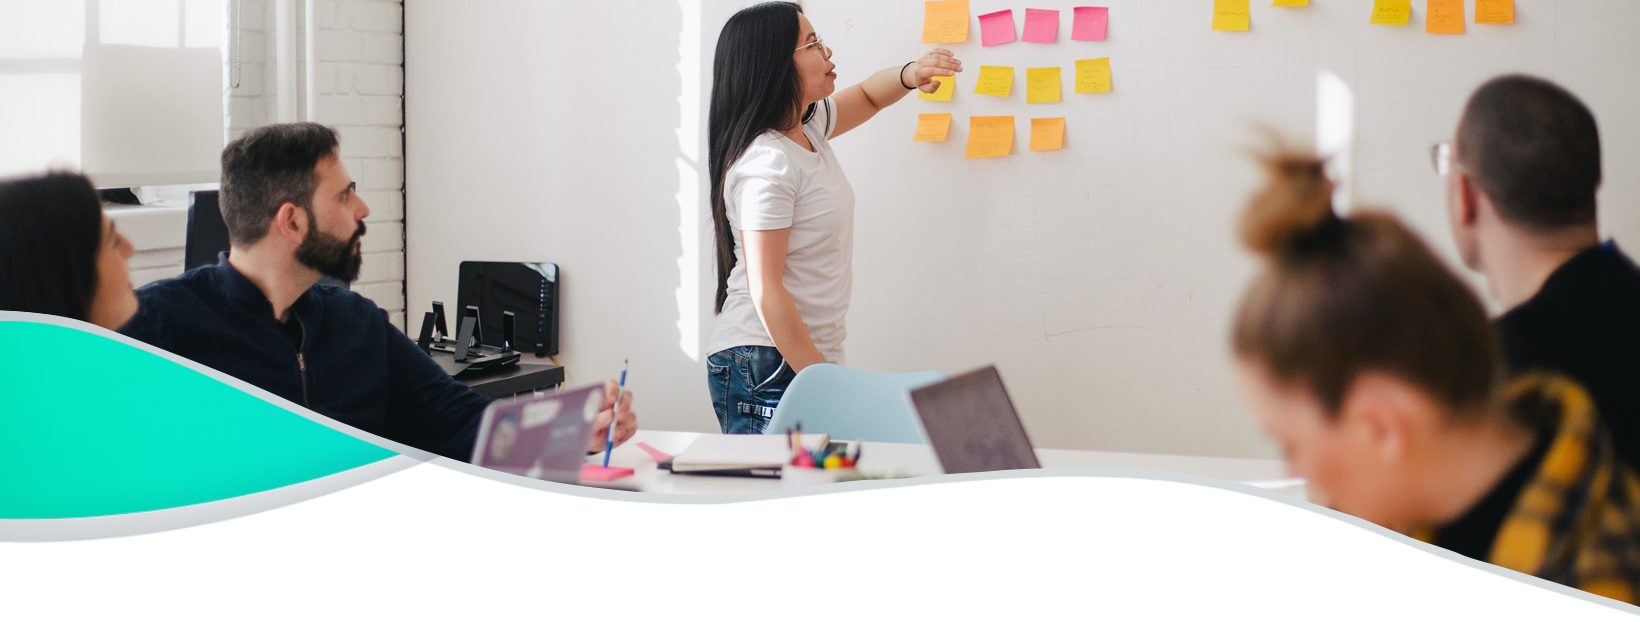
column 207, row 234
column 528, row 290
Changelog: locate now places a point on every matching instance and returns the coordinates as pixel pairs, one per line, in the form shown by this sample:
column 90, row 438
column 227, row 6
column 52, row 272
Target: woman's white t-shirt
column 777, row 184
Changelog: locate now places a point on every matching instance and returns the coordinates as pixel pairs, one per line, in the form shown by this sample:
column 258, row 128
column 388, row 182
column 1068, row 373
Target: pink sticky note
column 1041, row 26
column 658, row 455
column 600, row 473
column 1090, row 23
column 996, row 28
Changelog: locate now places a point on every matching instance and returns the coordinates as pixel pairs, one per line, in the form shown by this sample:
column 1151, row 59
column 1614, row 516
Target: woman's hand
column 937, row 62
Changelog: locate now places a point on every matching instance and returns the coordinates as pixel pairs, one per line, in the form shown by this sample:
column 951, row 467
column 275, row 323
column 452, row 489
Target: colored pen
column 609, row 438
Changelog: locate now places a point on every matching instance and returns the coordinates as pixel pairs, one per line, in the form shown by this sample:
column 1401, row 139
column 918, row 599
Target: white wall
column 1099, row 278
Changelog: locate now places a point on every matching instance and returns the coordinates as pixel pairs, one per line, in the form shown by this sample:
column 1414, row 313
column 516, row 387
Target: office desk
column 513, row 379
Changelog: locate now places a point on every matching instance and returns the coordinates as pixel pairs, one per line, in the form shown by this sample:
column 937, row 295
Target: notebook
column 718, row 454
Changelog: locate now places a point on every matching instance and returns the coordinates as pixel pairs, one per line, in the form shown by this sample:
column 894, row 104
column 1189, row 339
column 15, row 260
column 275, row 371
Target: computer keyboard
column 1102, row 560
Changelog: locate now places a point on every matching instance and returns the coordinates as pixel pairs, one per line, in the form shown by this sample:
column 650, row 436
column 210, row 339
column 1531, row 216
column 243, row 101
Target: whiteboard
column 1099, row 278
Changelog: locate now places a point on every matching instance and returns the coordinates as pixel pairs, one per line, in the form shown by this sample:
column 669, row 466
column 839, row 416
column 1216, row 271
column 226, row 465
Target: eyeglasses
column 824, row 51
column 1440, row 156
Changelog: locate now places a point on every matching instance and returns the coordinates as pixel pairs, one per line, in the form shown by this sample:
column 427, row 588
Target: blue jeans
column 746, row 383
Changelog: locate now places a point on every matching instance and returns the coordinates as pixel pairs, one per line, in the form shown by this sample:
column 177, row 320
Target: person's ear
column 289, row 223
column 1383, row 410
column 1469, row 200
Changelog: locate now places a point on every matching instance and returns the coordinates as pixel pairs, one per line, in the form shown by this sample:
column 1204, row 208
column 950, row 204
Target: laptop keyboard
column 1102, row 560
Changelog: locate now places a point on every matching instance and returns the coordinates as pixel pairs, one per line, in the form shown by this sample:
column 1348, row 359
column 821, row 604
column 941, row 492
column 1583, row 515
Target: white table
column 673, row 570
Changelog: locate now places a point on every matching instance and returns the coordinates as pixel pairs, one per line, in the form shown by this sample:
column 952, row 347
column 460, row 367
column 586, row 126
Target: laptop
column 1019, row 525
column 542, row 437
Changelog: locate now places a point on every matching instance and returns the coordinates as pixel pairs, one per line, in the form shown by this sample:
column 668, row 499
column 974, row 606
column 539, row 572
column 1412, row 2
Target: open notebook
column 731, row 452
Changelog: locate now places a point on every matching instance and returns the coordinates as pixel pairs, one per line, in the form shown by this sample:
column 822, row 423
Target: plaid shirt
column 1577, row 521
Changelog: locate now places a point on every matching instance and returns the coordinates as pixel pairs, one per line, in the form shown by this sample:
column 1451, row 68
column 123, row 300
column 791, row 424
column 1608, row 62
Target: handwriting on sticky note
column 1494, row 11
column 998, row 81
column 1391, row 12
column 1041, row 26
column 1093, row 75
column 1232, row 14
column 1091, row 23
column 990, row 137
column 931, row 128
column 948, row 85
column 1290, row 3
column 1443, row 17
column 996, row 28
column 1047, row 134
column 945, row 21
column 1041, row 85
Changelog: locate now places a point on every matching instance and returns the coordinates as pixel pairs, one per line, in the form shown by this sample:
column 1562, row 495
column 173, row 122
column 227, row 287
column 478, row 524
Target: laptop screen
column 972, row 424
column 432, row 548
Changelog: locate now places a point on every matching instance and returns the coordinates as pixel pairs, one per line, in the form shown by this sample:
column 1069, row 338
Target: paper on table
column 1232, row 14
column 1443, row 17
column 601, row 473
column 1391, row 12
column 993, row 80
column 1093, row 75
column 730, row 451
column 948, row 85
column 1091, row 23
column 931, row 128
column 1041, row 85
column 1494, row 11
column 945, row 21
column 996, row 28
column 1290, row 3
column 1047, row 134
column 989, row 137
column 1041, row 26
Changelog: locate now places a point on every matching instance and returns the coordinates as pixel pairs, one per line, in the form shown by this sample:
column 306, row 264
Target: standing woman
column 59, row 254
column 781, row 207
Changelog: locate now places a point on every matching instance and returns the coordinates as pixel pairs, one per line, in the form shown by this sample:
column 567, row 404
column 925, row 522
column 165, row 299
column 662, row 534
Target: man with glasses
column 1521, row 178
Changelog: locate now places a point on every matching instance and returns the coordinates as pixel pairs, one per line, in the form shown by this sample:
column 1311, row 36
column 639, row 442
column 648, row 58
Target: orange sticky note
column 1443, row 17
column 990, row 137
column 945, row 21
column 948, row 85
column 931, row 128
column 1232, row 14
column 1494, row 11
column 1093, row 75
column 998, row 81
column 1041, row 85
column 1047, row 134
column 1290, row 3
column 1391, row 12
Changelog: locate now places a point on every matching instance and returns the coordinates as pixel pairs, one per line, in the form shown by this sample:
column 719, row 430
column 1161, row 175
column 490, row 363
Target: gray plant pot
column 873, row 530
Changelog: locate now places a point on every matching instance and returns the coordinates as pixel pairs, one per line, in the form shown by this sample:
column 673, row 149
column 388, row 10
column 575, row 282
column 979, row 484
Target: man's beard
column 337, row 258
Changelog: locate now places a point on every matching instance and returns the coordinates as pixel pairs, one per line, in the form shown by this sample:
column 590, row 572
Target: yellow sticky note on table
column 1290, row 3
column 1047, row 134
column 1041, row 85
column 998, row 81
column 931, row 128
column 1093, row 75
column 1443, row 17
column 1494, row 11
column 990, row 137
column 945, row 21
column 948, row 85
column 1391, row 12
column 1232, row 14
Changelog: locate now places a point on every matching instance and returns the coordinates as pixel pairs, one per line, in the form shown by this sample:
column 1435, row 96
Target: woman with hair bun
column 1376, row 370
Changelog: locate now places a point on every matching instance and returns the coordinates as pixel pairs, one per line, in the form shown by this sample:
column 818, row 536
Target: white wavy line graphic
column 840, row 488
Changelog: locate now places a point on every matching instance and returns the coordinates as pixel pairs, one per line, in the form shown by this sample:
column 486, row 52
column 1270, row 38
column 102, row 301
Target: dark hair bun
column 1296, row 201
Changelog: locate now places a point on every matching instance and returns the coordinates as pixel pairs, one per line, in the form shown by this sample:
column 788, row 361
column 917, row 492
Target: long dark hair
column 51, row 232
column 755, row 88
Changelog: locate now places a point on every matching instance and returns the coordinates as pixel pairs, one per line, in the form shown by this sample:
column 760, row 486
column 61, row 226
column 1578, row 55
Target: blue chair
column 852, row 404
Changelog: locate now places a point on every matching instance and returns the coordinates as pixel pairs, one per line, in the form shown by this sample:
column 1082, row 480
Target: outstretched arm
column 858, row 103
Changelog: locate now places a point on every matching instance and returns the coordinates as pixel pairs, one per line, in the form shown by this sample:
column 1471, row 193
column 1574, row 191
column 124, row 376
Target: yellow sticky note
column 1290, row 3
column 1047, row 134
column 945, row 21
column 1093, row 75
column 1391, row 12
column 998, row 81
column 1232, row 14
column 1494, row 11
column 931, row 128
column 948, row 85
column 1041, row 85
column 989, row 137
column 1443, row 17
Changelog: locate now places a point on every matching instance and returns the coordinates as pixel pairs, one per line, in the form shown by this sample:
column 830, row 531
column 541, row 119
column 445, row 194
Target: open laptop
column 1019, row 525
column 543, row 437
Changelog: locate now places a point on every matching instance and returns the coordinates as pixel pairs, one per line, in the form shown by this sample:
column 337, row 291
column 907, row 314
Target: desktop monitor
column 528, row 290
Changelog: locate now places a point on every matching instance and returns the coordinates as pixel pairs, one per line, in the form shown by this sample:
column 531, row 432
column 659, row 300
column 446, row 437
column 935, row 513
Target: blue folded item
column 755, row 560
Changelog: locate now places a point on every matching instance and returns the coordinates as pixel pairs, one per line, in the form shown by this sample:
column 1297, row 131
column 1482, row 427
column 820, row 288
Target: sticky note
column 1041, row 85
column 1091, row 23
column 1391, row 12
column 1093, row 75
column 931, row 128
column 1041, row 26
column 600, row 473
column 1494, row 11
column 998, row 81
column 1443, row 17
column 945, row 21
column 1232, row 14
column 1290, row 3
column 948, row 85
column 1047, row 134
column 996, row 28
column 990, row 137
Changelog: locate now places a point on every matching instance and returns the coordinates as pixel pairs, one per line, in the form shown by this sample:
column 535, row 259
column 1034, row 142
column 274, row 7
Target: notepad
column 725, row 452
column 998, row 81
column 1041, row 85
column 1391, row 12
column 1041, row 26
column 948, row 85
column 1494, row 11
column 990, row 137
column 1232, row 14
column 1290, row 3
column 1093, row 75
column 996, row 28
column 1091, row 23
column 932, row 128
column 945, row 21
column 1047, row 134
column 1443, row 17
